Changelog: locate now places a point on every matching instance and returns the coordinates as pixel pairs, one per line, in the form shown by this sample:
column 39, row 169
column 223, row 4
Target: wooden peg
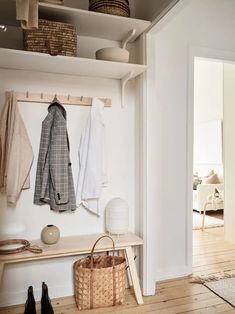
column 68, row 97
column 81, row 99
column 27, row 94
column 41, row 95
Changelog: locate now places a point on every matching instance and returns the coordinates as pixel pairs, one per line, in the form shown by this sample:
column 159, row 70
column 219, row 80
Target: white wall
column 208, row 90
column 229, row 149
column 121, row 133
column 208, row 116
column 190, row 26
column 150, row 9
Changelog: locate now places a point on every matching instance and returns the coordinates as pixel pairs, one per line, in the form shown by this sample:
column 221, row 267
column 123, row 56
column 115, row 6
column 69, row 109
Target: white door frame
column 206, row 53
column 149, row 269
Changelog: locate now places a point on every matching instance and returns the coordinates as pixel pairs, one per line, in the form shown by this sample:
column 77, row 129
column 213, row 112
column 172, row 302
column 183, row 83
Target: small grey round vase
column 50, row 234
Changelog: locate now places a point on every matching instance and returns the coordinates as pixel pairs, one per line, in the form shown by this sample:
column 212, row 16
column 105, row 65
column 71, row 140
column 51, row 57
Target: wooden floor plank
column 211, row 255
column 211, row 309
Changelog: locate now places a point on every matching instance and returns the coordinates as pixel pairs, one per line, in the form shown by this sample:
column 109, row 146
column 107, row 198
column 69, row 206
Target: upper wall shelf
column 94, row 24
column 39, row 62
column 88, row 23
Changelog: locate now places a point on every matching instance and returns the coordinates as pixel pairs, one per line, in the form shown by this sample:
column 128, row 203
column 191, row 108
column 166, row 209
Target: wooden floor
column 216, row 214
column 211, row 256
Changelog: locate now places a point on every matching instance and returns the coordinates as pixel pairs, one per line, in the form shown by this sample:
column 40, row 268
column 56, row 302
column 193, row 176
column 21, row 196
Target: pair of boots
column 30, row 305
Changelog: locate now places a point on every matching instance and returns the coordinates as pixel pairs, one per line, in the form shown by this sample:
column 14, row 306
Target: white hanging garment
column 92, row 165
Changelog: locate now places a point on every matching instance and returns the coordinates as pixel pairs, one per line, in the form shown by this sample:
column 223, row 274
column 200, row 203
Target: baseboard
column 19, row 297
column 173, row 273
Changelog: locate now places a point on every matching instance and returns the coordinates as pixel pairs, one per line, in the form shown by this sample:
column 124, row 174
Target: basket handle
column 48, row 46
column 92, row 275
column 93, row 248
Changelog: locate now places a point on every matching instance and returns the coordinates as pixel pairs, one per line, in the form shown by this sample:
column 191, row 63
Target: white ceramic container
column 50, row 234
column 113, row 54
column 117, row 216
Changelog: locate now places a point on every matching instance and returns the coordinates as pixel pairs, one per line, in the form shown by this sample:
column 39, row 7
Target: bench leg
column 1, row 270
column 134, row 275
column 122, row 253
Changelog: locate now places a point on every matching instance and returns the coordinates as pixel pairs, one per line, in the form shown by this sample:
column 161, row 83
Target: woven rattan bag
column 99, row 280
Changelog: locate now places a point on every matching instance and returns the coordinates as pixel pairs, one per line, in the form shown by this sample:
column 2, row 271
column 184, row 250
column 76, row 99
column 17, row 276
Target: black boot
column 46, row 307
column 30, row 303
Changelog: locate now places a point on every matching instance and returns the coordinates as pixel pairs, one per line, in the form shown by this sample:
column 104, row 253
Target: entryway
column 208, row 168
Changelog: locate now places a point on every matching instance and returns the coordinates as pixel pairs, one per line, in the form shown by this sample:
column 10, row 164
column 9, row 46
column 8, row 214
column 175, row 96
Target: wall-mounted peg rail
column 63, row 99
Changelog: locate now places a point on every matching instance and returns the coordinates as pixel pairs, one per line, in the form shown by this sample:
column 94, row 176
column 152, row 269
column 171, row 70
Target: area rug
column 222, row 284
column 210, row 222
column 224, row 288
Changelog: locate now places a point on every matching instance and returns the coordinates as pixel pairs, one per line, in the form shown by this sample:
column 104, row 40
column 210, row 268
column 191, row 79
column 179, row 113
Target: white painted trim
column 160, row 15
column 224, row 56
column 148, row 271
column 169, row 273
column 148, row 282
column 172, row 10
column 9, row 298
column 216, row 55
column 189, row 165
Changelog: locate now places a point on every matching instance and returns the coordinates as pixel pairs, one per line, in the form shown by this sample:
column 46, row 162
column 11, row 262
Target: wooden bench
column 79, row 245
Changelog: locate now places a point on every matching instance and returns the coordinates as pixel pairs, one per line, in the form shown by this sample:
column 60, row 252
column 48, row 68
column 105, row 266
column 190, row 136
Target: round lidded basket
column 114, row 7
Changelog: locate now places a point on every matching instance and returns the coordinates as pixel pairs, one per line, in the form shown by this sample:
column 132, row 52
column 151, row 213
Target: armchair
column 202, row 192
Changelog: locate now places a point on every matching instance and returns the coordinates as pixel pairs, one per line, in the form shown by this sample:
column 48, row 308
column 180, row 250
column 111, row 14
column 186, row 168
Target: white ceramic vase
column 117, row 216
column 50, row 234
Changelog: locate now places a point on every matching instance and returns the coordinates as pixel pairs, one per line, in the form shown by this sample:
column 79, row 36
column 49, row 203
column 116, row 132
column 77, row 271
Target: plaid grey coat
column 54, row 180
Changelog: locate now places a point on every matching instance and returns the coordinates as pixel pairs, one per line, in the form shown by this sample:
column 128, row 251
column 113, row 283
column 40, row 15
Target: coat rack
column 65, row 100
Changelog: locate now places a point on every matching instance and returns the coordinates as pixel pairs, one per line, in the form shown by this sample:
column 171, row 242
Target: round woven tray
column 21, row 246
column 121, row 3
column 115, row 7
column 109, row 2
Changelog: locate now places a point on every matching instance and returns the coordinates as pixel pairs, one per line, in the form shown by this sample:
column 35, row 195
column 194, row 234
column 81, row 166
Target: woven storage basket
column 99, row 280
column 55, row 38
column 115, row 7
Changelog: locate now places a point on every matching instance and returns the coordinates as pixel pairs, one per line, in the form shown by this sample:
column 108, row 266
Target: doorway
column 208, row 173
column 213, row 156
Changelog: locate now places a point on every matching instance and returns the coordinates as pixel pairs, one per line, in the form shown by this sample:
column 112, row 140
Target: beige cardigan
column 27, row 13
column 16, row 154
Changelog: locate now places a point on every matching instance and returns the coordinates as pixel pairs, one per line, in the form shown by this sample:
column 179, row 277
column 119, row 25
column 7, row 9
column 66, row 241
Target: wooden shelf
column 94, row 24
column 88, row 23
column 73, row 245
column 39, row 62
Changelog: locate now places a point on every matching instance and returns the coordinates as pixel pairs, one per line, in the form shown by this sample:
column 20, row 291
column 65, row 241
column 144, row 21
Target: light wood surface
column 41, row 62
column 80, row 245
column 63, row 99
column 211, row 254
column 73, row 245
column 134, row 275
